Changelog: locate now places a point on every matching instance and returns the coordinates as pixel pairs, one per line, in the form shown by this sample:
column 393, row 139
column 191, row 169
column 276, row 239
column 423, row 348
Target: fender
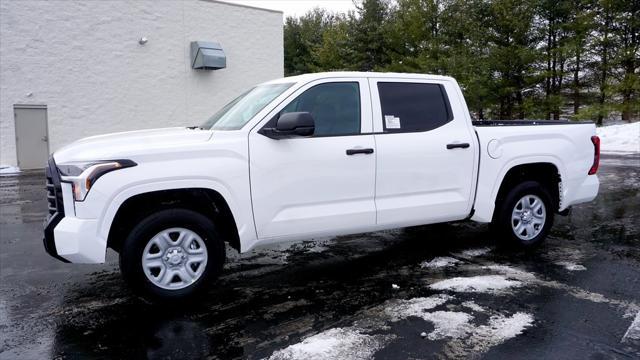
column 246, row 228
column 485, row 201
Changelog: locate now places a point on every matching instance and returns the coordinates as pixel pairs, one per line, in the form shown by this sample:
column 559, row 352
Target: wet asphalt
column 578, row 294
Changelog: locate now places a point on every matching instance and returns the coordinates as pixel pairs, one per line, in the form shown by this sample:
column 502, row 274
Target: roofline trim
column 359, row 74
column 244, row 6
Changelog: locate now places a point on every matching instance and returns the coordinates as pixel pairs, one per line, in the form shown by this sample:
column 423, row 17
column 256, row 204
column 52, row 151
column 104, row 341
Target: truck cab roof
column 357, row 74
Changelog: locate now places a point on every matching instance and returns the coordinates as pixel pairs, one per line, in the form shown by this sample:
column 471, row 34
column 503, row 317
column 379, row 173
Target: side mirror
column 291, row 124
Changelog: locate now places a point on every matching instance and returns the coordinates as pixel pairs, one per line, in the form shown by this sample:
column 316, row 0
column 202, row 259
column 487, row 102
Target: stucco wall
column 82, row 59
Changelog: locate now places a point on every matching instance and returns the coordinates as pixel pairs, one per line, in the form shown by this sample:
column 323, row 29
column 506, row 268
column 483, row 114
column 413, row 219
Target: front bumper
column 76, row 241
column 67, row 238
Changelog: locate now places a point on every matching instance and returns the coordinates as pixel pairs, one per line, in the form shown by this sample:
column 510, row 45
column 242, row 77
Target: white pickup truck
column 307, row 156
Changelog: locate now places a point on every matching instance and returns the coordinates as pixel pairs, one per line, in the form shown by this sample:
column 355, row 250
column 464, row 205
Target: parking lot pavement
column 444, row 291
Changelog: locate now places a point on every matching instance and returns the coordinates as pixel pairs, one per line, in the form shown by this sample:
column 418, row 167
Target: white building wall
column 82, row 59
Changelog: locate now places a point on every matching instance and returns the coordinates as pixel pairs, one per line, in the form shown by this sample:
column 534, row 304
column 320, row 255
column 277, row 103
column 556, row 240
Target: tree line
column 544, row 59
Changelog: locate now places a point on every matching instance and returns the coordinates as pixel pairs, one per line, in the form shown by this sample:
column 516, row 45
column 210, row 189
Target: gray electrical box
column 207, row 55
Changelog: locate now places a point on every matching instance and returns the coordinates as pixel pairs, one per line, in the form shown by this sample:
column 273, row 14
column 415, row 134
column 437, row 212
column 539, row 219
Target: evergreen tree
column 302, row 38
column 369, row 41
column 545, row 58
column 513, row 55
column 579, row 29
column 625, row 62
column 554, row 16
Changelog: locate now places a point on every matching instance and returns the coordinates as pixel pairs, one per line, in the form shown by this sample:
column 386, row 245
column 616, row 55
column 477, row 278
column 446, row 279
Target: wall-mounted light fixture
column 143, row 40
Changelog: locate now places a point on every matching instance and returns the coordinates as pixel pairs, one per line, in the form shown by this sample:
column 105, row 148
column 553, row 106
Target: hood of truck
column 130, row 144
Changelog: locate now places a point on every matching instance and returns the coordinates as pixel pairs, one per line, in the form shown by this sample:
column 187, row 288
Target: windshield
column 238, row 112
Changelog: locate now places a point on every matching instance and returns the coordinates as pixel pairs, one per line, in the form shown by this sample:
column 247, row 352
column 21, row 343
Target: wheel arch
column 546, row 173
column 126, row 212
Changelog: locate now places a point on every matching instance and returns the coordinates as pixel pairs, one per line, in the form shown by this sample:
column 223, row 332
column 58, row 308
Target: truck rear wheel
column 172, row 255
column 524, row 217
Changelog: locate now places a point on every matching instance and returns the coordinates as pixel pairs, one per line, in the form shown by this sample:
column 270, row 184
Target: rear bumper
column 583, row 192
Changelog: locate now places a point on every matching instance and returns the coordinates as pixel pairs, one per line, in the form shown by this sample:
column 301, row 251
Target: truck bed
column 505, row 144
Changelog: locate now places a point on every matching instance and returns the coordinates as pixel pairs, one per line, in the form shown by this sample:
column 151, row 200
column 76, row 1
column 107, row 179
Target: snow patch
column 473, row 306
column 456, row 326
column 465, row 336
column 633, row 332
column 499, row 330
column 440, row 262
column 337, row 343
column 401, row 309
column 512, row 273
column 571, row 266
column 447, row 324
column 502, row 328
column 481, row 339
column 620, row 138
column 481, row 284
column 474, row 252
column 8, row 170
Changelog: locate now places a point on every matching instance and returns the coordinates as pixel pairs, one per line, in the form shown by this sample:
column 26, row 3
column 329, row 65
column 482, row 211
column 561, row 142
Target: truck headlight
column 82, row 175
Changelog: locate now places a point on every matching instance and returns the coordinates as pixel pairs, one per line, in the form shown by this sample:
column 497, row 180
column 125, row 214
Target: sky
column 298, row 7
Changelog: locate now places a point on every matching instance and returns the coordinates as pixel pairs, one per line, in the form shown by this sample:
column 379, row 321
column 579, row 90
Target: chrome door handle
column 45, row 138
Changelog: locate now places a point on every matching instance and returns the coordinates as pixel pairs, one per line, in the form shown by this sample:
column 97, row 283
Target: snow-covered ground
column 620, row 138
column 440, row 262
column 482, row 283
column 468, row 329
column 633, row 333
column 337, row 343
column 6, row 169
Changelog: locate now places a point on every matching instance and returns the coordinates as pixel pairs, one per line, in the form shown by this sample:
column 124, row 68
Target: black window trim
column 377, row 80
column 443, row 92
column 274, row 117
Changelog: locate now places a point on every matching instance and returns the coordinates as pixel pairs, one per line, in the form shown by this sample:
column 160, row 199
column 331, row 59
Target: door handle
column 45, row 138
column 458, row 145
column 359, row 151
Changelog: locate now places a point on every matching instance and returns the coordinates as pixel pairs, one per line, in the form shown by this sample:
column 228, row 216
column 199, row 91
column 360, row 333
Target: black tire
column 502, row 221
column 131, row 254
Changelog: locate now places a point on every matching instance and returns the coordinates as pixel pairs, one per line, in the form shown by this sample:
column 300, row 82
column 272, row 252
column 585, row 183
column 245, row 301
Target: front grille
column 51, row 196
column 54, row 190
column 56, row 209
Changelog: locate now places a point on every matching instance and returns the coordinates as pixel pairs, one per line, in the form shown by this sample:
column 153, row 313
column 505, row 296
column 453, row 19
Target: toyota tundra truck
column 300, row 157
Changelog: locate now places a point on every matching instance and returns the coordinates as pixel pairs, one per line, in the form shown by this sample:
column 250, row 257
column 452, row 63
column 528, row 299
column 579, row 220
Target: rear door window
column 413, row 107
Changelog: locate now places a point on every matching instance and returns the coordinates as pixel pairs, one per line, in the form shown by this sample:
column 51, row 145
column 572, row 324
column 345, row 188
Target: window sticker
column 392, row 122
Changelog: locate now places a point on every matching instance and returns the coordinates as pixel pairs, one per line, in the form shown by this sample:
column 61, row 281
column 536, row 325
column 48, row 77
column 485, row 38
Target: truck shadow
column 259, row 304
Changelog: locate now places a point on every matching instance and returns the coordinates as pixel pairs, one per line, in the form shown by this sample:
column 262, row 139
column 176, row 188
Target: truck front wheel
column 172, row 255
column 525, row 215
